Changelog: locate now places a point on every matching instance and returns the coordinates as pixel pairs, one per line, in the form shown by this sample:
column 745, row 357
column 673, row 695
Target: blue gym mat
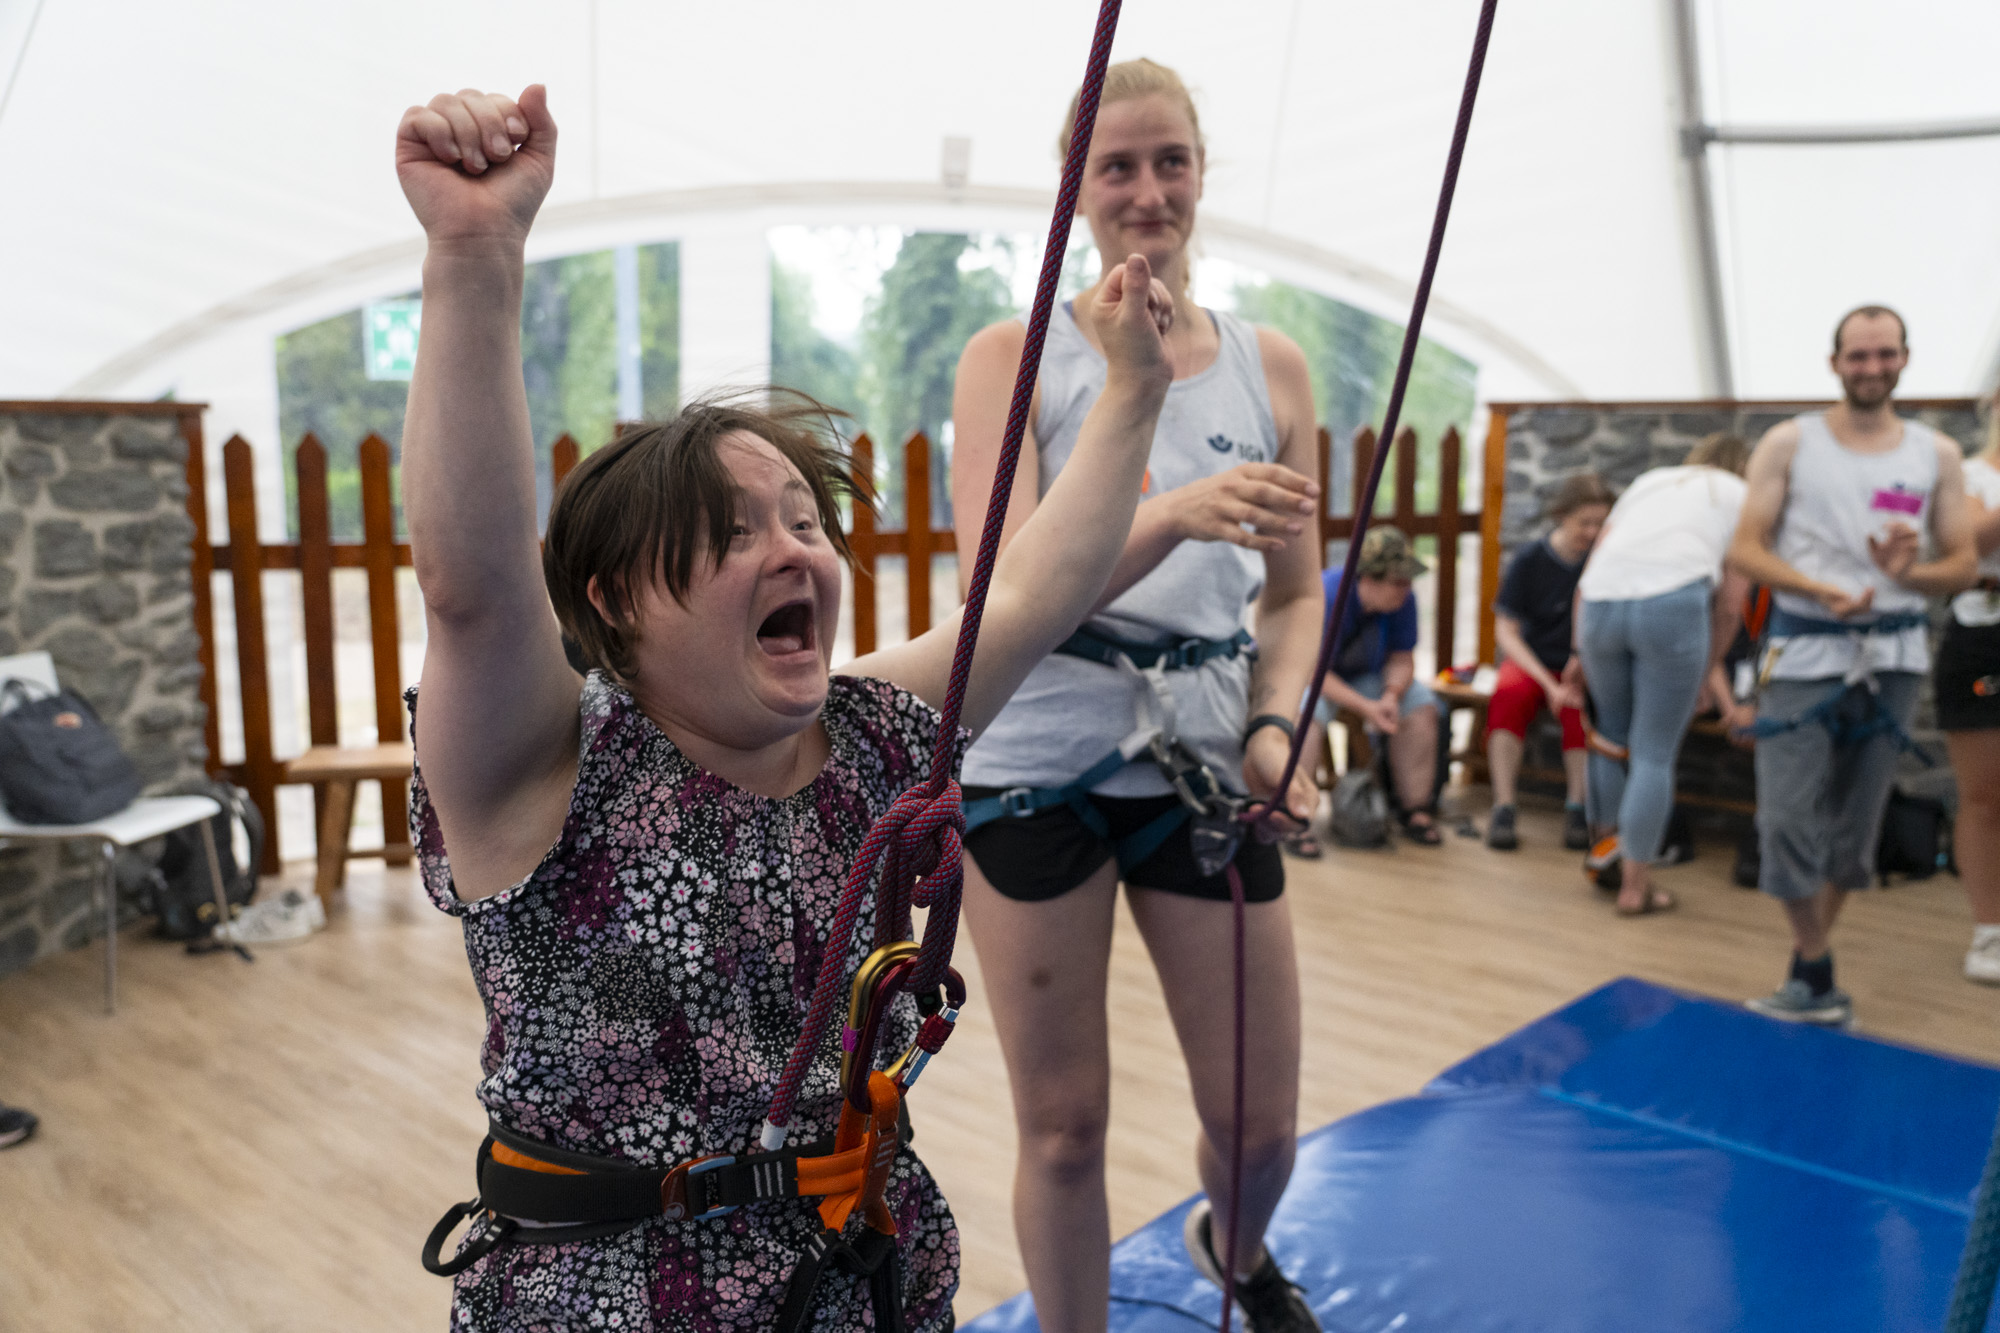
column 1639, row 1160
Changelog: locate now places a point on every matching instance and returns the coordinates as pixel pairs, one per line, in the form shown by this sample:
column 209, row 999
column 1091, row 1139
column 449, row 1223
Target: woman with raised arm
column 1068, row 803
column 645, row 860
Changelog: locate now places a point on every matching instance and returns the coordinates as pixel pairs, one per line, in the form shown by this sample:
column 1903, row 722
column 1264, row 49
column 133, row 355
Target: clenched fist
column 475, row 166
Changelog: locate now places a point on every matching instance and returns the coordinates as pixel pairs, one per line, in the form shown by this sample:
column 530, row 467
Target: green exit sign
column 389, row 338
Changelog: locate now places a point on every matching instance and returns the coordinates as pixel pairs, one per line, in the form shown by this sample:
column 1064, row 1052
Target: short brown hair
column 1579, row 489
column 658, row 501
column 1902, row 329
column 1729, row 452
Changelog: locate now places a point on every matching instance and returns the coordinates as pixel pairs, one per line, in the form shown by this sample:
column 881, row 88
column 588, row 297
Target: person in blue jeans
column 1655, row 617
column 1375, row 675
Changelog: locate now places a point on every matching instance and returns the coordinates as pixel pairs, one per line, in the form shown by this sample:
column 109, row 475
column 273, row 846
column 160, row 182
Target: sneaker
column 1500, row 835
column 1982, row 960
column 1605, row 866
column 1795, row 1003
column 1576, row 829
column 289, row 917
column 15, row 1125
column 1270, row 1303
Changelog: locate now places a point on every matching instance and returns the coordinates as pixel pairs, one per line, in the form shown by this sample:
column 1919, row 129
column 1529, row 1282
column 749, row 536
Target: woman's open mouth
column 789, row 629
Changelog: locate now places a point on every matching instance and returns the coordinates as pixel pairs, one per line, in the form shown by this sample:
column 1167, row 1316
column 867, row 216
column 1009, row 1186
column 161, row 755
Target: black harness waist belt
column 536, row 1194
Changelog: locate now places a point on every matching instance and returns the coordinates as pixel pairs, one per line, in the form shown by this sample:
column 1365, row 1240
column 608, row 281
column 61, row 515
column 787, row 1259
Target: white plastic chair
column 146, row 817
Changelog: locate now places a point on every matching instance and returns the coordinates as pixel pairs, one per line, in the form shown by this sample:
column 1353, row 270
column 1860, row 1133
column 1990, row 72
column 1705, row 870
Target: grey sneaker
column 1270, row 1303
column 1576, row 829
column 1500, row 833
column 1795, row 1003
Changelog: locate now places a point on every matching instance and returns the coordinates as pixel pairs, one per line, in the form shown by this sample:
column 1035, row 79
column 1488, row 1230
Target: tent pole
column 1696, row 135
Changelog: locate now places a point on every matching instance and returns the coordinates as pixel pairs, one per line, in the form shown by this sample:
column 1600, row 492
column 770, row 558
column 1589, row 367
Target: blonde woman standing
column 1967, row 682
column 1060, row 817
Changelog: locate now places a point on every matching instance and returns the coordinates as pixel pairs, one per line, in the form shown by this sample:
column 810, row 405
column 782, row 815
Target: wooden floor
column 262, row 1147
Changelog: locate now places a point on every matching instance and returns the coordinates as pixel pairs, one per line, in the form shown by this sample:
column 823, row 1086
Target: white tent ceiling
column 179, row 182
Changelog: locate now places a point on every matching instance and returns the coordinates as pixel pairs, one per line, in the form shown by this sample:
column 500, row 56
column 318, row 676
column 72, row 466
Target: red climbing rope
column 916, row 842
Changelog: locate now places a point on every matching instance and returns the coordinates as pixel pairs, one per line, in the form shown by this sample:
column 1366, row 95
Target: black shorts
column 1967, row 678
column 1045, row 855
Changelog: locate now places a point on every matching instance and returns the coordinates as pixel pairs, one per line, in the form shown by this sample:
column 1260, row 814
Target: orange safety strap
column 509, row 1157
column 876, row 1138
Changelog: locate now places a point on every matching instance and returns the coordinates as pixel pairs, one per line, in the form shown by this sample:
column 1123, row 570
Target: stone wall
column 1548, row 442
column 94, row 559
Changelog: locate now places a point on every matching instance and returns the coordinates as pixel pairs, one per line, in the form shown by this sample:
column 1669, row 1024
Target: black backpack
column 1915, row 841
column 181, row 895
column 59, row 763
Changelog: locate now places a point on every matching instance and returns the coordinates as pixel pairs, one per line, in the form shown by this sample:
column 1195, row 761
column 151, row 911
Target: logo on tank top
column 1897, row 499
column 1222, row 444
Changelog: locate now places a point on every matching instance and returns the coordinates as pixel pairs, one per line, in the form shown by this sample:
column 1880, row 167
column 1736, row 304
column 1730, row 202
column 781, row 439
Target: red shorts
column 1517, row 699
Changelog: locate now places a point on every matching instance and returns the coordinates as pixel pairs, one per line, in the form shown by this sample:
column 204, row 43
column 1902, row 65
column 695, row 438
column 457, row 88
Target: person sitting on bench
column 1375, row 676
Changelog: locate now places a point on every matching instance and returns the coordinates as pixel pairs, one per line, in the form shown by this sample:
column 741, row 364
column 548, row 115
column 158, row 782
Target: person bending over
column 1657, row 615
column 1838, row 507
column 1532, row 622
column 1967, row 688
column 1375, row 675
column 645, row 859
column 1222, row 529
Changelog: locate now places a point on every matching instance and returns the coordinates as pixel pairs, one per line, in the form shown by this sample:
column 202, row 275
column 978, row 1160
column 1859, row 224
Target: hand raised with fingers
column 475, row 166
column 1277, row 503
column 1131, row 314
column 1896, row 551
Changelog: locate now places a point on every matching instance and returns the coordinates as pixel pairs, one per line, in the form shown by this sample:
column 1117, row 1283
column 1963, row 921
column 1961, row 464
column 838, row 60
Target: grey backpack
column 1360, row 811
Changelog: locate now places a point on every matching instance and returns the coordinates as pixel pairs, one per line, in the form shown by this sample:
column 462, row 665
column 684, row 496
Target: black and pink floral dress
column 643, row 989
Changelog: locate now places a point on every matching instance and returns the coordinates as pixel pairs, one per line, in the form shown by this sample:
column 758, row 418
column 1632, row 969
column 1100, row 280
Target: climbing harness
column 1153, row 738
column 533, row 1194
column 1851, row 710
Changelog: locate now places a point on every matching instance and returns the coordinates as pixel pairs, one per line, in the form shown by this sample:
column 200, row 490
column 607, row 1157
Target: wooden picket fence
column 316, row 555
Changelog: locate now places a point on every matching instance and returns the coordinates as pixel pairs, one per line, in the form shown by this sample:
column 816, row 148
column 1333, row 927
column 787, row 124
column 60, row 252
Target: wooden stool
column 334, row 771
column 1451, row 698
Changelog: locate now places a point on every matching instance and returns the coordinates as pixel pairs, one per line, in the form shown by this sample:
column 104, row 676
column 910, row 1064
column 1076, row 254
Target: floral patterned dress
column 643, row 988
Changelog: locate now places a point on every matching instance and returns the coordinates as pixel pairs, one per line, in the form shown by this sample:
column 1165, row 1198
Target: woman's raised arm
column 496, row 732
column 1050, row 577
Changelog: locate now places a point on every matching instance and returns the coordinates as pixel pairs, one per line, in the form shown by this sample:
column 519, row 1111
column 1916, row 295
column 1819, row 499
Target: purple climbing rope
column 1364, row 504
column 917, row 842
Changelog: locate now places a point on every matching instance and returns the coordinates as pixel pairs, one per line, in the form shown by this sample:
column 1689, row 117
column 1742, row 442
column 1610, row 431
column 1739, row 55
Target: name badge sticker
column 1898, row 501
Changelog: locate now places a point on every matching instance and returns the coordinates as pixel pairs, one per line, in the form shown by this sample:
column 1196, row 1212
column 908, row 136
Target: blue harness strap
column 1851, row 712
column 1132, row 849
column 1785, row 624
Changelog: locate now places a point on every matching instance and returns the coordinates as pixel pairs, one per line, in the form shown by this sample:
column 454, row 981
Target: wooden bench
column 333, row 771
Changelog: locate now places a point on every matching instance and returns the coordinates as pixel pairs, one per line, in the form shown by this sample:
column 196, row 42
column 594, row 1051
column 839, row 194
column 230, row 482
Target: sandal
column 1659, row 900
column 1302, row 845
column 1426, row 834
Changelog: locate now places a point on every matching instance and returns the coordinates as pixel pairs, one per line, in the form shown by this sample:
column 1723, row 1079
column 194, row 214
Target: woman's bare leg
column 1975, row 759
column 1191, row 942
column 1043, row 967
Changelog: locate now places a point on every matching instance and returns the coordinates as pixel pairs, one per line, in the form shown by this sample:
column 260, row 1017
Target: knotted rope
column 916, row 843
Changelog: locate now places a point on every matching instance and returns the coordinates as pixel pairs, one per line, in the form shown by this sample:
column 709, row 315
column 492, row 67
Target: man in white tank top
column 1839, row 506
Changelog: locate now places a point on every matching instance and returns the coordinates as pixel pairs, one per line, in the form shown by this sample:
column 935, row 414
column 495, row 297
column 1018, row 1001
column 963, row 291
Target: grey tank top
column 1835, row 500
column 1070, row 712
